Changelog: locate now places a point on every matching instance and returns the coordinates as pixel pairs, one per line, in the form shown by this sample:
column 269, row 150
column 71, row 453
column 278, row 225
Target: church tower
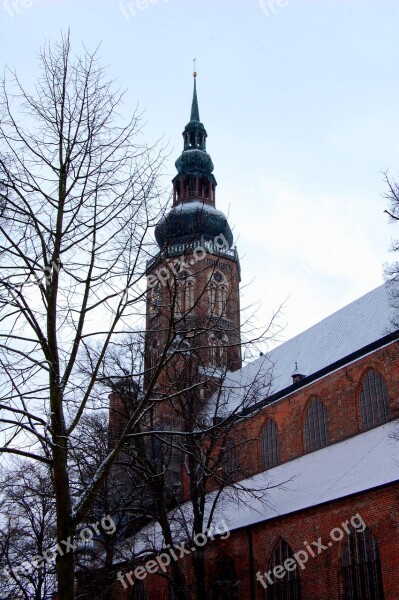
column 193, row 304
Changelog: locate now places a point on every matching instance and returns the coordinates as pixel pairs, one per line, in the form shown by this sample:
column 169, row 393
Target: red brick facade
column 251, row 547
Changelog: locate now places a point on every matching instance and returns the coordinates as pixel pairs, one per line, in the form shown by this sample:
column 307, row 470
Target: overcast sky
column 300, row 100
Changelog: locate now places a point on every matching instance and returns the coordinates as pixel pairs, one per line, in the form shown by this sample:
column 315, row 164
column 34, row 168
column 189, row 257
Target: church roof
column 359, row 464
column 340, row 337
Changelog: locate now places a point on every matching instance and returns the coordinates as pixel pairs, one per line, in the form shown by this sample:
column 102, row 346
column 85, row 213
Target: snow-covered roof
column 359, row 464
column 357, row 325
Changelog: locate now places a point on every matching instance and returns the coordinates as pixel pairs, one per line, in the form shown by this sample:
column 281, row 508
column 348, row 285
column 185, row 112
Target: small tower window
column 217, row 294
column 154, row 353
column 185, row 296
column 155, row 300
column 374, row 406
column 189, row 295
column 316, row 426
column 192, row 138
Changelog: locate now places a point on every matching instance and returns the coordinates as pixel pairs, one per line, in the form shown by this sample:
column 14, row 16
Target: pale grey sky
column 300, row 101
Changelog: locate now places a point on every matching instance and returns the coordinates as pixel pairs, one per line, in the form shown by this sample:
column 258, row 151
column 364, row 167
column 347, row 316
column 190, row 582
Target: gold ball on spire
column 195, row 74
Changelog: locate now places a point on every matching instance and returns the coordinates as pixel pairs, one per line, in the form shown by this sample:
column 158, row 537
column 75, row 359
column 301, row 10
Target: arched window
column 217, row 294
column 225, row 583
column 270, row 445
column 374, row 406
column 223, row 345
column 213, row 345
column 218, row 345
column 361, row 567
column 185, row 293
column 289, row 586
column 154, row 353
column 212, row 298
column 138, row 592
column 316, row 426
column 155, row 299
column 229, row 459
column 189, row 295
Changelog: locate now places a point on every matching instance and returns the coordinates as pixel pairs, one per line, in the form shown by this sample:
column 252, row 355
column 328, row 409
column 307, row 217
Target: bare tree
column 193, row 440
column 28, row 529
column 79, row 193
column 392, row 270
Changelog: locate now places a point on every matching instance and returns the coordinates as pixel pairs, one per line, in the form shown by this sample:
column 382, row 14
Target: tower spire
column 194, row 106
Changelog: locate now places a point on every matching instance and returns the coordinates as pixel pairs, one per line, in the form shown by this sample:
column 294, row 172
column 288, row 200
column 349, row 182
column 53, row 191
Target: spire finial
column 194, row 106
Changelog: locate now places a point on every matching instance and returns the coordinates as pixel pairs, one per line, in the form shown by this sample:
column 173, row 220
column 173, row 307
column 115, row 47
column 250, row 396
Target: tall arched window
column 217, row 294
column 185, row 293
column 155, row 300
column 316, row 426
column 154, row 353
column 213, row 346
column 223, row 345
column 225, row 582
column 270, row 445
column 211, row 298
column 218, row 345
column 229, row 459
column 189, row 295
column 138, row 591
column 374, row 405
column 361, row 567
column 289, row 586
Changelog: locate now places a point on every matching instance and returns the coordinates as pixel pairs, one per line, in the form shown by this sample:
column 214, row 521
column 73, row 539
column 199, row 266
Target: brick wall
column 339, row 392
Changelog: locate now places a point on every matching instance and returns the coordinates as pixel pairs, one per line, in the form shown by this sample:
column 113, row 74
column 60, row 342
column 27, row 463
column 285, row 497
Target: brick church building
column 321, row 439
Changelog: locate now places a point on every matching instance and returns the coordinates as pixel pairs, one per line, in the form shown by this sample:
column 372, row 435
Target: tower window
column 316, row 426
column 289, row 586
column 155, row 300
column 154, row 353
column 270, row 445
column 185, row 299
column 192, row 138
column 217, row 294
column 361, row 567
column 374, row 405
column 218, row 345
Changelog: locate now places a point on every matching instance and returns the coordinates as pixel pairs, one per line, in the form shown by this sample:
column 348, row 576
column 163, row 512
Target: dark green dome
column 194, row 161
column 191, row 221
